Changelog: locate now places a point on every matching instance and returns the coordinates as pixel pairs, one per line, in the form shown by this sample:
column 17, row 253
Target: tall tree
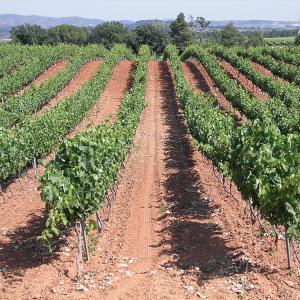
column 230, row 36
column 198, row 26
column 157, row 36
column 203, row 23
column 110, row 33
column 68, row 34
column 29, row 34
column 181, row 33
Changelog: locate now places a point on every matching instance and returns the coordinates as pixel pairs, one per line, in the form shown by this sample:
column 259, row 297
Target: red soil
column 200, row 80
column 173, row 232
column 244, row 81
column 22, row 213
column 49, row 73
column 108, row 104
column 195, row 77
column 85, row 74
column 264, row 71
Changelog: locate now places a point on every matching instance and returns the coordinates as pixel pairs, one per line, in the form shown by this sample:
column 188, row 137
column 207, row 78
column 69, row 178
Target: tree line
column 181, row 32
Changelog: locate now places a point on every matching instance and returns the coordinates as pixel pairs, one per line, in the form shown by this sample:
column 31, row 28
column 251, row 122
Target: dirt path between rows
column 266, row 72
column 243, row 81
column 107, row 106
column 22, row 213
column 200, row 80
column 49, row 73
column 173, row 232
column 85, row 74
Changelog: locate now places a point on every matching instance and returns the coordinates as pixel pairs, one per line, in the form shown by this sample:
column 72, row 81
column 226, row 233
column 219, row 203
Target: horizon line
column 135, row 20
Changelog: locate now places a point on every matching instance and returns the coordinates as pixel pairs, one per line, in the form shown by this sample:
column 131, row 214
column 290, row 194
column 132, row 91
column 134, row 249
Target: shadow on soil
column 194, row 239
column 22, row 250
column 197, row 77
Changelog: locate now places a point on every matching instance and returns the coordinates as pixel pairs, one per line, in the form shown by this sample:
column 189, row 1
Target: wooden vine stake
column 35, row 166
column 252, row 214
column 85, row 239
column 79, row 260
column 288, row 247
column 81, row 235
column 99, row 223
column 1, row 193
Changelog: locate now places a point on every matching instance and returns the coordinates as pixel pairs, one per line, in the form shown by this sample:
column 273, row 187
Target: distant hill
column 7, row 21
column 46, row 22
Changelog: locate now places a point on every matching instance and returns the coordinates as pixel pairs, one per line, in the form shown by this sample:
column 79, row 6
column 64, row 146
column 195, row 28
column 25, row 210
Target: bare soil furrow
column 243, row 80
column 174, row 232
column 194, row 77
column 85, row 74
column 22, row 213
column 108, row 104
column 264, row 71
column 200, row 74
column 49, row 73
column 180, row 236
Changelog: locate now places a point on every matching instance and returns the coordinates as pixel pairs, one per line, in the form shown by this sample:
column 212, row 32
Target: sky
column 288, row 10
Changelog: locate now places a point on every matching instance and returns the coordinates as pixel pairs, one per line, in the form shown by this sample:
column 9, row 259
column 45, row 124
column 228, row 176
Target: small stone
column 189, row 288
column 129, row 273
column 249, row 287
column 238, row 288
column 201, row 295
column 123, row 265
column 152, row 272
column 82, row 288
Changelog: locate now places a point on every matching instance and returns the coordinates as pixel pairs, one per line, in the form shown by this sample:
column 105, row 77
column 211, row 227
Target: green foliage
column 240, row 98
column 274, row 109
column 36, row 136
column 15, row 109
column 67, row 34
column 39, row 59
column 281, row 69
column 230, row 36
column 280, row 41
column 17, row 57
column 268, row 171
column 180, row 32
column 288, row 55
column 29, row 34
column 198, row 26
column 262, row 161
column 75, row 184
column 254, row 41
column 210, row 126
column 110, row 33
column 297, row 40
column 156, row 36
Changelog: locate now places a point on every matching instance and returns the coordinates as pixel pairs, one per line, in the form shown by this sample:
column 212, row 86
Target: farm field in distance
column 124, row 176
column 280, row 40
